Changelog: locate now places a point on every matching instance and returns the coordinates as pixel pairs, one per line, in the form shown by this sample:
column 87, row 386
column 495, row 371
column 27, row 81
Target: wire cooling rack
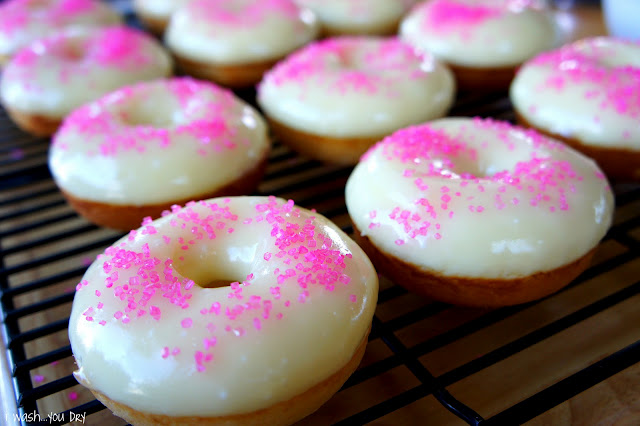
column 570, row 358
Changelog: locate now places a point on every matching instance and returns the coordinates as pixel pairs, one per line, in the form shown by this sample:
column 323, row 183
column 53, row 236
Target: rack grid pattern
column 45, row 248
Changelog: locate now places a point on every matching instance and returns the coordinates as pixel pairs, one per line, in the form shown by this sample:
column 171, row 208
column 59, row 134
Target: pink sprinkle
column 187, row 323
column 72, row 396
column 38, row 378
column 353, row 298
column 257, row 324
column 447, row 15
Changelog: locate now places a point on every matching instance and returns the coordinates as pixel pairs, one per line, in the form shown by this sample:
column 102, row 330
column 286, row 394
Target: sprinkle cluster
column 243, row 13
column 458, row 16
column 540, row 181
column 81, row 54
column 137, row 281
column 597, row 65
column 350, row 64
column 448, row 15
column 204, row 107
column 17, row 14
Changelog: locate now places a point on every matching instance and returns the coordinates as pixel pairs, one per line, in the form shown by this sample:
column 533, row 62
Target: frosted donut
column 234, row 43
column 483, row 41
column 246, row 310
column 478, row 212
column 359, row 17
column 335, row 98
column 44, row 82
column 155, row 14
column 24, row 21
column 587, row 94
column 140, row 149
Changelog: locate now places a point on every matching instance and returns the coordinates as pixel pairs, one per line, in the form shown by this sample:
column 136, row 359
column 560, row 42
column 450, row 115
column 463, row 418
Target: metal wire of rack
column 45, row 248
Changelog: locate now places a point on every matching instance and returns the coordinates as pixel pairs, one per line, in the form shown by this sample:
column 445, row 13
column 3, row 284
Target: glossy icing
column 24, row 21
column 158, row 9
column 244, row 31
column 157, row 141
column 480, row 33
column 479, row 198
column 356, row 86
column 358, row 16
column 588, row 90
column 55, row 75
column 300, row 300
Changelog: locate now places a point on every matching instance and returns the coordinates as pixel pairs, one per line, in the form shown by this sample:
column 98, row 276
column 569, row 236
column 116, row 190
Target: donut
column 45, row 81
column 333, row 99
column 155, row 14
column 242, row 310
column 483, row 41
column 234, row 43
column 358, row 17
column 136, row 151
column 478, row 212
column 24, row 21
column 586, row 94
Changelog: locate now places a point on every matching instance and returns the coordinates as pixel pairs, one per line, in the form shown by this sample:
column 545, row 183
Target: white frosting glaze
column 480, row 33
column 157, row 142
column 55, row 75
column 356, row 86
column 244, row 31
column 24, row 21
column 358, row 16
column 145, row 336
column 478, row 198
column 159, row 9
column 588, row 90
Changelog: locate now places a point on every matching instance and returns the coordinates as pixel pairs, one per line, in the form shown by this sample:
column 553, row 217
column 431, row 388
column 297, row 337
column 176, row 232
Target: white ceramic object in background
column 622, row 18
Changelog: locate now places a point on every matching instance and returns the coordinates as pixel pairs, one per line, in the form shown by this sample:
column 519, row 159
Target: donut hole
column 71, row 51
column 214, row 268
column 147, row 113
column 482, row 158
column 217, row 283
column 208, row 277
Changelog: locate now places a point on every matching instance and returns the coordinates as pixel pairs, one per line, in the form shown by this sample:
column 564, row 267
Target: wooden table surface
column 417, row 326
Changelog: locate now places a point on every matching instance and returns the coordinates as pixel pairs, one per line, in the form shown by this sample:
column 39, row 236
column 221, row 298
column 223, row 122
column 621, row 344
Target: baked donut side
column 472, row 291
column 586, row 94
column 251, row 310
column 142, row 148
column 478, row 212
column 282, row 413
column 619, row 164
column 125, row 217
